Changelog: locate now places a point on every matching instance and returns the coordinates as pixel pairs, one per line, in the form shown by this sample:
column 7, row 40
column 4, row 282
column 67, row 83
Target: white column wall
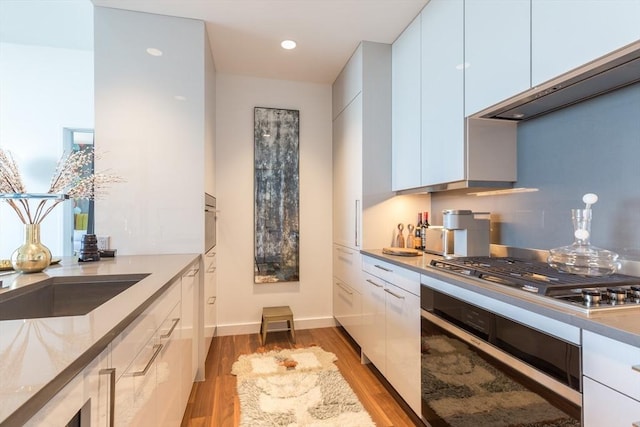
column 150, row 118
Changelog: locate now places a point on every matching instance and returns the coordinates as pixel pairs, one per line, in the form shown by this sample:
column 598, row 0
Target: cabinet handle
column 211, row 269
column 211, row 300
column 374, row 283
column 168, row 334
column 211, row 254
column 636, row 368
column 357, row 218
column 344, row 251
column 344, row 289
column 383, row 268
column 192, row 272
column 393, row 293
column 112, row 393
column 157, row 349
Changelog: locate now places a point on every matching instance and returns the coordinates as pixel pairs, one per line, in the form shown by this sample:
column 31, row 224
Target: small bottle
column 423, row 230
column 417, row 236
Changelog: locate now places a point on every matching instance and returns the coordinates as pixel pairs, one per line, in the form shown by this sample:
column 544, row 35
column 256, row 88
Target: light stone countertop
column 621, row 325
column 39, row 356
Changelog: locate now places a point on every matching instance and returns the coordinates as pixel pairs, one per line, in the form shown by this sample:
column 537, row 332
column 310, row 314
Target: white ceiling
column 245, row 35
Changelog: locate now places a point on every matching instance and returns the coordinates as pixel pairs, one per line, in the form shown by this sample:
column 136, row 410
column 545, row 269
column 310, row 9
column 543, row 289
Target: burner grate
column 534, row 276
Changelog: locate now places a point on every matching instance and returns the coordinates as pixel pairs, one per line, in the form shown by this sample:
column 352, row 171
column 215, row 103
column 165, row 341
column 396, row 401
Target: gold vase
column 32, row 256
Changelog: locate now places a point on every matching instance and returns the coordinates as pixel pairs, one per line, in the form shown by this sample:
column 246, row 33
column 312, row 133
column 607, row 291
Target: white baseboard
column 254, row 327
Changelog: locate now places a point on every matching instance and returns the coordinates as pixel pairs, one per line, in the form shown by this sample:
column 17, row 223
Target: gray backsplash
column 591, row 147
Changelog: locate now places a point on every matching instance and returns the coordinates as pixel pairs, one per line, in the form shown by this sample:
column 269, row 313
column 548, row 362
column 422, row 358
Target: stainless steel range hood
column 610, row 72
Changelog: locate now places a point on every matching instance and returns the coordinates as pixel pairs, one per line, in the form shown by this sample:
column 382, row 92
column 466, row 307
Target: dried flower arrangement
column 69, row 180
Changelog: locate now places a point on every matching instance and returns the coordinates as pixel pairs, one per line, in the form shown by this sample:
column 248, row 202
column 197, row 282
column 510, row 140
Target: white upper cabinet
column 405, row 112
column 442, row 70
column 569, row 33
column 497, row 57
column 348, row 84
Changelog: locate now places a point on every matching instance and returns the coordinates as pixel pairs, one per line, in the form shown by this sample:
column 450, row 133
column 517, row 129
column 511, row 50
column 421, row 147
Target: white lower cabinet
column 347, row 308
column 189, row 330
column 611, row 377
column 391, row 326
column 620, row 410
column 210, row 295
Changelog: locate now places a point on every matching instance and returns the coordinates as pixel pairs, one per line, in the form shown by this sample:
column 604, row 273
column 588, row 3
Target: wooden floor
column 214, row 402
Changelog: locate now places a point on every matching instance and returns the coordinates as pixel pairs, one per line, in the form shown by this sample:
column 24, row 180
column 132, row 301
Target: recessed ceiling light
column 154, row 52
column 288, row 44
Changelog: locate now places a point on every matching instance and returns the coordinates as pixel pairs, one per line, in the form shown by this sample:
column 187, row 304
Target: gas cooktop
column 586, row 293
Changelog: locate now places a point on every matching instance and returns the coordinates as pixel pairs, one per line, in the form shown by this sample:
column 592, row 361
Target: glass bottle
column 582, row 257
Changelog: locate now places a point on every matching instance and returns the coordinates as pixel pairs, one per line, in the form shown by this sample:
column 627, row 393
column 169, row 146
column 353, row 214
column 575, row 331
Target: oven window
column 462, row 386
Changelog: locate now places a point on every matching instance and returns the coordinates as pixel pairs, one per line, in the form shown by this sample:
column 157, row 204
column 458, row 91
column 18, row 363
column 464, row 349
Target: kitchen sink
column 63, row 296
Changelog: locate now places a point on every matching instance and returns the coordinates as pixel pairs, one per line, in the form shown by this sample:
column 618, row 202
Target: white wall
column 155, row 141
column 241, row 301
column 43, row 90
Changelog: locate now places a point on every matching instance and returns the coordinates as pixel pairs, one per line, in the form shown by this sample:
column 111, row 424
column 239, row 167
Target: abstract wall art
column 277, row 195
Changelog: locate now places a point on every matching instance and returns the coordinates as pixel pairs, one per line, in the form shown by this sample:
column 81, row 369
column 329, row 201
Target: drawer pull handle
column 393, row 293
column 374, row 283
column 192, row 272
column 112, row 393
column 636, row 368
column 344, row 251
column 211, row 300
column 383, row 268
column 211, row 254
column 344, row 289
column 211, row 269
column 156, row 349
column 168, row 334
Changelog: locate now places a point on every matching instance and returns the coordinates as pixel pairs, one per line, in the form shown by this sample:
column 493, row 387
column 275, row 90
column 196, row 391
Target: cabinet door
column 347, row 308
column 99, row 383
column 189, row 324
column 442, row 92
column 621, row 410
column 611, row 362
column 403, row 344
column 347, row 175
column 348, row 84
column 569, row 33
column 136, row 393
column 497, row 55
column 347, row 266
column 405, row 112
column 209, row 302
column 373, row 321
column 169, row 373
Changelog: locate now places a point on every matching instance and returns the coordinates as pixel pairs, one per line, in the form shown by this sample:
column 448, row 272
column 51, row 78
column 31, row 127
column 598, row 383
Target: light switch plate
column 103, row 243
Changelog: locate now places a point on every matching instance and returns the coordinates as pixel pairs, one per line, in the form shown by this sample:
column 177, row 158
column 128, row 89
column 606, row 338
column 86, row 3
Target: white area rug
column 311, row 393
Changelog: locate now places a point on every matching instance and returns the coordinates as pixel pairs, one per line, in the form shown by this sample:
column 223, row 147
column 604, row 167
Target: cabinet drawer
column 611, row 363
column 347, row 265
column 131, row 341
column 620, row 410
column 398, row 276
column 347, row 308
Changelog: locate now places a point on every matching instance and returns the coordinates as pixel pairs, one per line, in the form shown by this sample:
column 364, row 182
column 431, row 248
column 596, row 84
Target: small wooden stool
column 276, row 314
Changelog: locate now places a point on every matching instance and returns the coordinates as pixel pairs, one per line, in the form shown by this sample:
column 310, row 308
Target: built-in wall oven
column 481, row 367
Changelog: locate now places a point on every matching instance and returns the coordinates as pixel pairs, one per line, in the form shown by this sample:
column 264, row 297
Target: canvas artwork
column 277, row 194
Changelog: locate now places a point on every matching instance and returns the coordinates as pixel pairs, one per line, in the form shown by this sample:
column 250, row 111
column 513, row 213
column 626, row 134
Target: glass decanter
column 582, row 257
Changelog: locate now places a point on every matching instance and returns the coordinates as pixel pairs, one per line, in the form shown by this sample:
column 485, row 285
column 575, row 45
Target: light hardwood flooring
column 214, row 402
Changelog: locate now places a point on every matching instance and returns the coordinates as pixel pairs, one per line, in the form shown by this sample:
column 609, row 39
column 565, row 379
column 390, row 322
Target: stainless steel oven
column 209, row 222
column 479, row 367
